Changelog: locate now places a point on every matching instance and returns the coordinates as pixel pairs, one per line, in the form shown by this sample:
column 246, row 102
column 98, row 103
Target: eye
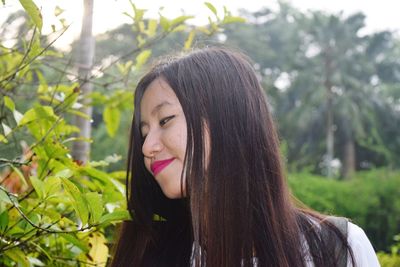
column 144, row 135
column 165, row 120
column 143, row 132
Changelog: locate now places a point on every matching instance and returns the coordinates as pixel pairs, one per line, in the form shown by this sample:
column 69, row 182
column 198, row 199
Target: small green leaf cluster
column 63, row 205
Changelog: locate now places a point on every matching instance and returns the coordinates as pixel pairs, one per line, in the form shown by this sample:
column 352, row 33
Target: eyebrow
column 160, row 106
column 156, row 109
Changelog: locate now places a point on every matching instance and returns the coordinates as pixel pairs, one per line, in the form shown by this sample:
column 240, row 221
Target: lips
column 157, row 166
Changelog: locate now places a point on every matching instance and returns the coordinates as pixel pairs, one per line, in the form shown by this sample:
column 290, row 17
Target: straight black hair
column 238, row 208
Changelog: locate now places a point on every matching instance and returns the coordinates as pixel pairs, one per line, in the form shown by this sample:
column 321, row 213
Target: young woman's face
column 163, row 126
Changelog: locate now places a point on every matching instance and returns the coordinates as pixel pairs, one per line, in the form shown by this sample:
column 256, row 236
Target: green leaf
column 42, row 251
column 180, row 28
column 164, row 22
column 151, row 27
column 77, row 200
column 20, row 175
column 52, row 186
column 17, row 116
column 33, row 12
column 9, row 103
column 141, row 41
column 112, row 118
column 104, row 178
column 18, row 256
column 35, row 219
column 110, row 195
column 75, row 241
column 67, row 173
column 70, row 99
column 142, row 58
column 158, row 218
column 43, row 86
column 211, row 7
column 7, row 130
column 118, row 185
column 138, row 12
column 95, row 206
column 78, row 113
column 3, row 139
column 140, row 26
column 39, row 112
column 58, row 11
column 189, row 40
column 39, row 186
column 97, row 97
column 180, row 20
column 115, row 216
column 125, row 68
column 4, row 197
column 204, row 30
column 54, row 150
column 232, row 19
column 35, row 49
column 35, row 262
column 3, row 221
column 97, row 174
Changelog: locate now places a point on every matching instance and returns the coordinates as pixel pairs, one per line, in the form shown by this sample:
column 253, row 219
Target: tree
column 345, row 60
column 81, row 147
column 323, row 76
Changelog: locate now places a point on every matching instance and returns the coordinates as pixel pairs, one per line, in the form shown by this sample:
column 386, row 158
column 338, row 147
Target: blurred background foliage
column 334, row 91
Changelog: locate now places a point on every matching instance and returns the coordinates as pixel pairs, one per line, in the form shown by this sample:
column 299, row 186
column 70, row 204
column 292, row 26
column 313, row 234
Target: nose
column 152, row 145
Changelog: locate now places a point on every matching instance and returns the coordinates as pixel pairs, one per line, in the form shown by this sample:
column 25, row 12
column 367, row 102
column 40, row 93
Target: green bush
column 371, row 199
column 391, row 259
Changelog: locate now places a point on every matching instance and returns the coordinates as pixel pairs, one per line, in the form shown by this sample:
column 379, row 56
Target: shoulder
column 363, row 251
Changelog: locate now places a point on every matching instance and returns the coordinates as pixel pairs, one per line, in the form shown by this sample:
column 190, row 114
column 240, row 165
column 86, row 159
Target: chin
column 173, row 193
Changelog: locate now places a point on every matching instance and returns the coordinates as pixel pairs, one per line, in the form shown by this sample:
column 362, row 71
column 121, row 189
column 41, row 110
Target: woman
column 205, row 183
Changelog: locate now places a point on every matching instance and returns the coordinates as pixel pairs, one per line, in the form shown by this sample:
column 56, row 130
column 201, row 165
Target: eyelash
column 162, row 122
column 165, row 120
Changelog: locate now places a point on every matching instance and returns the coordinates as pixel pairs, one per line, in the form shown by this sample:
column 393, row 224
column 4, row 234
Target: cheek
column 181, row 143
column 176, row 144
column 177, row 139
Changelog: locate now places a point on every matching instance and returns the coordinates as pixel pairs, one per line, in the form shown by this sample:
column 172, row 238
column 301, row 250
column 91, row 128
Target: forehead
column 157, row 95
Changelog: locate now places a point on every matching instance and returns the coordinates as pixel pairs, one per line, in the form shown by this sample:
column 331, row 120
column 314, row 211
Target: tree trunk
column 349, row 158
column 81, row 148
column 329, row 134
column 329, row 112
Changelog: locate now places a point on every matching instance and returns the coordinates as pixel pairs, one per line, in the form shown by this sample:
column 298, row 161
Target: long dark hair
column 238, row 209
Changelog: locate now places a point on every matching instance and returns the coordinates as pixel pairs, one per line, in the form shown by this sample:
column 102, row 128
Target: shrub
column 391, row 259
column 370, row 199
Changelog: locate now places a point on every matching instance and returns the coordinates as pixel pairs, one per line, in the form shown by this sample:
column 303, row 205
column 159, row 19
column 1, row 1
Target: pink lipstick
column 157, row 166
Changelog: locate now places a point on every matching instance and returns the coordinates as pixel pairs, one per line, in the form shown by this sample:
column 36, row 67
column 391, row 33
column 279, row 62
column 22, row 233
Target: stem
column 16, row 206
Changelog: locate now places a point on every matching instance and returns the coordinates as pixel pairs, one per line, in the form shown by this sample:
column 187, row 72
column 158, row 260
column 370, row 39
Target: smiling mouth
column 157, row 166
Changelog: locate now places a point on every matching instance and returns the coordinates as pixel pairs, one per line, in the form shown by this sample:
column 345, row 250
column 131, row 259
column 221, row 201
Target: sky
column 381, row 14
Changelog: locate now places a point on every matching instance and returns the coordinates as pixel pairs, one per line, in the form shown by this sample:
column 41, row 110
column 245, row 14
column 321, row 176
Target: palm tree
column 341, row 70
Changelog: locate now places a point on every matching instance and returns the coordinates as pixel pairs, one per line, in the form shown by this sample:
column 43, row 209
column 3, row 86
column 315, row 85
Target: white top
column 363, row 251
column 364, row 254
